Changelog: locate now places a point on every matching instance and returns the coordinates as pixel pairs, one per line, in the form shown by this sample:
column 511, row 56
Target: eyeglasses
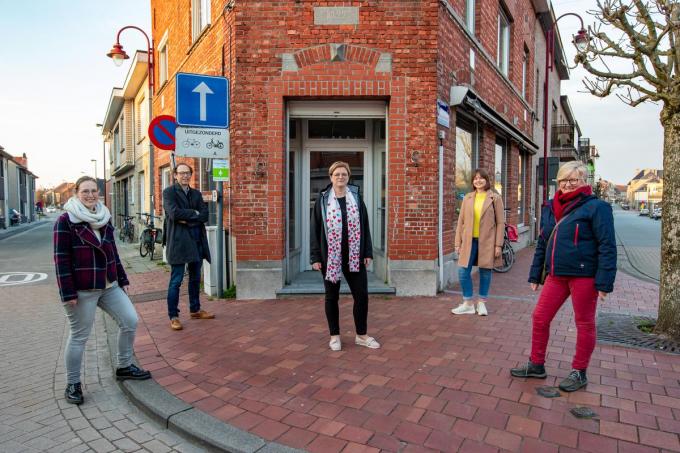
column 571, row 181
column 88, row 193
column 184, row 173
column 341, row 175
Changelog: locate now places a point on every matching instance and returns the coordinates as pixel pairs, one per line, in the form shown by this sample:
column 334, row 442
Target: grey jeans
column 117, row 304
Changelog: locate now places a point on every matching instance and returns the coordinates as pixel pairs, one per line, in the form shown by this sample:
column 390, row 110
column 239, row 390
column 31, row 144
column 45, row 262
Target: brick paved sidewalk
column 439, row 383
column 34, row 417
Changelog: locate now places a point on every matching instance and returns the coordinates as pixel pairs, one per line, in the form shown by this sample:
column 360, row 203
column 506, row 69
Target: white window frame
column 133, row 191
column 163, row 59
column 142, row 117
column 521, row 187
column 470, row 15
column 503, row 50
column 200, row 17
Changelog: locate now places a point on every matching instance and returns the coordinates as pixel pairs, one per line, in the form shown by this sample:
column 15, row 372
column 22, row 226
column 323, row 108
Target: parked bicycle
column 508, row 253
column 150, row 236
column 128, row 229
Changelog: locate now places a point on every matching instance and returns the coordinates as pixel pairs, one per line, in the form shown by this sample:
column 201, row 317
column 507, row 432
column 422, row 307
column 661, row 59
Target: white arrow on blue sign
column 202, row 101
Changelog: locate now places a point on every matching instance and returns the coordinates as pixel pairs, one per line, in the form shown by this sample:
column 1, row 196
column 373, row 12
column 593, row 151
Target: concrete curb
column 13, row 231
column 183, row 418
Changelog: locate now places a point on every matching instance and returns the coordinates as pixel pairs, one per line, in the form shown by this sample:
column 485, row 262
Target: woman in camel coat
column 479, row 241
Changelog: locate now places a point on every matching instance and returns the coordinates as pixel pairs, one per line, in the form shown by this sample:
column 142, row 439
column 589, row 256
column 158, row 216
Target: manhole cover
column 623, row 329
column 583, row 412
column 548, row 392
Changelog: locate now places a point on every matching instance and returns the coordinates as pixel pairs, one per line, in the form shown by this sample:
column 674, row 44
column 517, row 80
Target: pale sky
column 56, row 81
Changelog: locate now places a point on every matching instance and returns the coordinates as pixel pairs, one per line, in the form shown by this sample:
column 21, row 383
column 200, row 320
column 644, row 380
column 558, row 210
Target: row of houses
column 414, row 95
column 645, row 189
column 17, row 189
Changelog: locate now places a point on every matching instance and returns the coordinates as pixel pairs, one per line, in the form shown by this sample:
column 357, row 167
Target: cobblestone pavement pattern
column 33, row 413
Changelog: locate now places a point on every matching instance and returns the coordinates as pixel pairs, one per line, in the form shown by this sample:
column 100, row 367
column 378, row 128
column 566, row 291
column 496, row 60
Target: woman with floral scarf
column 340, row 245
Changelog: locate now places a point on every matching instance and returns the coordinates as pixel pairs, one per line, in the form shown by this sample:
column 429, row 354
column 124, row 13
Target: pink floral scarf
column 334, row 235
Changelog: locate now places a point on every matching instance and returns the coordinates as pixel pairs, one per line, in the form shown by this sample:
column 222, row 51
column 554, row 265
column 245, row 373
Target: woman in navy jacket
column 575, row 256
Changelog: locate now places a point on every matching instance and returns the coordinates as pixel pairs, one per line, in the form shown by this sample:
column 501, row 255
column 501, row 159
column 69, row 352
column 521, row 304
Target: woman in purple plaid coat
column 90, row 275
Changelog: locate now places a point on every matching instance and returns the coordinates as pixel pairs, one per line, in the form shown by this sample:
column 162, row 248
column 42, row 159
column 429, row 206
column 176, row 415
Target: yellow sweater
column 479, row 202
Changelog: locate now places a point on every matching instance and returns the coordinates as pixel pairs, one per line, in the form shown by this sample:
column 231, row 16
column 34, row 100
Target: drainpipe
column 440, row 226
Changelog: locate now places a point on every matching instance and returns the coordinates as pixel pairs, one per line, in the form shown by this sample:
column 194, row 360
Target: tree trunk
column 668, row 321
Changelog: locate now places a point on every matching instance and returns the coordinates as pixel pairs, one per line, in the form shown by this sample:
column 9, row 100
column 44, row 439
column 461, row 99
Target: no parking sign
column 162, row 132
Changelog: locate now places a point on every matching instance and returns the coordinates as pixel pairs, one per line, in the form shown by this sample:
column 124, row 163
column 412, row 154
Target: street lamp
column 581, row 41
column 118, row 55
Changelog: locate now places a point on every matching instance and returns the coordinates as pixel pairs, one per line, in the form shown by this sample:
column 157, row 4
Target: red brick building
column 358, row 81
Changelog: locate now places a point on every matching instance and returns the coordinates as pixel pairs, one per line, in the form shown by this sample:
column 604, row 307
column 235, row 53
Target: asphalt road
column 640, row 239
column 33, row 413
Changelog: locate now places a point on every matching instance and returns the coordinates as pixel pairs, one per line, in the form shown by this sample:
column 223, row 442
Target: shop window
column 500, row 168
column 337, row 129
column 466, row 157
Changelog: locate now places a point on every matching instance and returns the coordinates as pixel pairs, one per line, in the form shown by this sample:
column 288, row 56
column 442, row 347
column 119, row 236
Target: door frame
column 364, row 146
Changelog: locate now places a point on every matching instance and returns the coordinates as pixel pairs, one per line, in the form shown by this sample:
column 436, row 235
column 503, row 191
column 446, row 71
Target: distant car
column 51, row 209
column 644, row 211
column 625, row 206
column 655, row 214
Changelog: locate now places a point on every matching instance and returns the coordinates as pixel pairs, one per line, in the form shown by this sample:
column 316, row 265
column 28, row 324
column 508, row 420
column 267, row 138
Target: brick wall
column 426, row 46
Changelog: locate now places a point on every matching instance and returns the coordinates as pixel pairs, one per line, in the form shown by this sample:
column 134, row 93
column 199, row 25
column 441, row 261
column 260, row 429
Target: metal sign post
column 202, row 106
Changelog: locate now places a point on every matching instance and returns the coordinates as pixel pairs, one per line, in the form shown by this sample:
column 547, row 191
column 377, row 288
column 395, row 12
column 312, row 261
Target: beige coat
column 491, row 230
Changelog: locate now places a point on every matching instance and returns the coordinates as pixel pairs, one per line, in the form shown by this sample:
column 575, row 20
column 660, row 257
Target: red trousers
column 584, row 300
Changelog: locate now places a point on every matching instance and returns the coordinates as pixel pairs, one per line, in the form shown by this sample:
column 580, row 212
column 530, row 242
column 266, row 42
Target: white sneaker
column 369, row 342
column 335, row 344
column 464, row 309
column 481, row 309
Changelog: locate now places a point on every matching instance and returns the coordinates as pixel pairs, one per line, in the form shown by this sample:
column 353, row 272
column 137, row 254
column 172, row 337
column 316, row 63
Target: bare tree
column 634, row 53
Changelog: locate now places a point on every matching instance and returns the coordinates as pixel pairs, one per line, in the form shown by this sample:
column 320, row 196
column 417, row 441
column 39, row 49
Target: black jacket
column 318, row 245
column 584, row 244
column 182, row 212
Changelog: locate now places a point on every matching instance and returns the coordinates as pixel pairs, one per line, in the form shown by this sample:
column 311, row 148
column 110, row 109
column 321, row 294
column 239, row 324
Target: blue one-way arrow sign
column 202, row 101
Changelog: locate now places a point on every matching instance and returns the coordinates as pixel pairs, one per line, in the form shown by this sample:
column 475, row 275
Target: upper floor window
column 470, row 15
column 525, row 68
column 142, row 118
column 163, row 60
column 503, row 53
column 200, row 17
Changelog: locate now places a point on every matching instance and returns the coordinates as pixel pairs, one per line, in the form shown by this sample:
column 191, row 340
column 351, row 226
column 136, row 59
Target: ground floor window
column 466, row 157
column 500, row 168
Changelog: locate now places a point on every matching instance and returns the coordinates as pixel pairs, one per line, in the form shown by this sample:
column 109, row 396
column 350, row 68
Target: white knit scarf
column 334, row 229
column 78, row 212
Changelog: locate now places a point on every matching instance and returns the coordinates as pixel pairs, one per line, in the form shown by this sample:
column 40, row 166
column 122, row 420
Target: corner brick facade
column 429, row 47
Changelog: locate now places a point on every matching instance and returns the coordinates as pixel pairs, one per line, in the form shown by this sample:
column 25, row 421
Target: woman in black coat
column 340, row 244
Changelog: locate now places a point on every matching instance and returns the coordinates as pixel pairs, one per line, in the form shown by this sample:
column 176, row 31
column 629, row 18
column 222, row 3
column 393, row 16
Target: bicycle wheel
column 121, row 234
column 131, row 234
column 143, row 250
column 508, row 255
column 152, row 248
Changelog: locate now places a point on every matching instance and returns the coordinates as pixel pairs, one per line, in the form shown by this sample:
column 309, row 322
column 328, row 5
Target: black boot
column 575, row 380
column 529, row 370
column 132, row 372
column 74, row 393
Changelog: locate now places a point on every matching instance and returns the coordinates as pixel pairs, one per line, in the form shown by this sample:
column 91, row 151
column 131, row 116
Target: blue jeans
column 466, row 280
column 176, row 277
